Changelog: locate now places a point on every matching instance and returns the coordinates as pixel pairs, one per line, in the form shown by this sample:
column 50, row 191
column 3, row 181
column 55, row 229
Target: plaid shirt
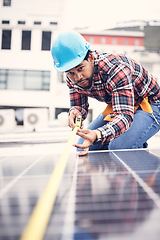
column 121, row 81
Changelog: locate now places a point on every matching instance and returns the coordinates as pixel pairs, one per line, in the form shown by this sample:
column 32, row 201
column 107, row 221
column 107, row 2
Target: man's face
column 82, row 75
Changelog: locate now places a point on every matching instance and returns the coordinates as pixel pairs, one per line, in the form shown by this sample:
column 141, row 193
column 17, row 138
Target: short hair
column 87, row 55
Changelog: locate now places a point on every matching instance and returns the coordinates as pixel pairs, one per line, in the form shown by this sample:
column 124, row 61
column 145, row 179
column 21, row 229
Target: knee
column 115, row 145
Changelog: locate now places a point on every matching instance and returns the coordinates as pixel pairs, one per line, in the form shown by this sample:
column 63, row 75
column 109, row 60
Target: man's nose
column 78, row 76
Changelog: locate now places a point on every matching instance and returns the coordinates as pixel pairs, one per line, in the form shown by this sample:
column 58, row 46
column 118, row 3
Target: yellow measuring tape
column 37, row 224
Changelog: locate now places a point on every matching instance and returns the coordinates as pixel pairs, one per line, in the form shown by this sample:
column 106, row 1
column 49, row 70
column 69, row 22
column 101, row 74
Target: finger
column 79, row 133
column 72, row 125
column 83, row 153
column 82, row 133
column 85, row 131
column 71, row 122
column 74, row 113
column 83, row 146
column 82, row 125
column 71, row 119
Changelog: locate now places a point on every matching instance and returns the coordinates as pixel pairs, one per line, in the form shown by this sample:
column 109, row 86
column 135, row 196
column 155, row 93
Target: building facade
column 27, row 76
column 26, row 71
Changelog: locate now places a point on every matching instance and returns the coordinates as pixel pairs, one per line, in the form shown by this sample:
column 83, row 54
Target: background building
column 26, row 70
column 28, row 80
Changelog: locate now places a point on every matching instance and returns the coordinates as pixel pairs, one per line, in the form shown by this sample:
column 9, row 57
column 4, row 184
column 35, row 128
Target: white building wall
column 35, row 59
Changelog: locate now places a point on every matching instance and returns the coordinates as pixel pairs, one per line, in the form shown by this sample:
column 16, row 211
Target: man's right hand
column 71, row 118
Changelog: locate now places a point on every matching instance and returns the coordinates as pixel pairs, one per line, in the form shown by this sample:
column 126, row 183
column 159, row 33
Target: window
column 60, row 110
column 45, row 80
column 5, row 21
column 32, row 80
column 37, row 23
column 103, row 40
column 46, row 41
column 91, row 39
column 114, row 41
column 125, row 41
column 24, row 80
column 6, row 39
column 14, row 80
column 6, row 3
column 53, row 23
column 137, row 43
column 26, row 40
column 3, row 77
column 21, row 22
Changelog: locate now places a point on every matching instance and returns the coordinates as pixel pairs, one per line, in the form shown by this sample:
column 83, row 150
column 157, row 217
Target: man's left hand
column 89, row 137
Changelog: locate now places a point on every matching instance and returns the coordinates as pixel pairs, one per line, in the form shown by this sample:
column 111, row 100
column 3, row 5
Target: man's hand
column 83, row 153
column 71, row 118
column 89, row 137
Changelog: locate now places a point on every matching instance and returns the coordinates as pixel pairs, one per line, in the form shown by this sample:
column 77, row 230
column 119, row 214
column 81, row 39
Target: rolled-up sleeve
column 78, row 101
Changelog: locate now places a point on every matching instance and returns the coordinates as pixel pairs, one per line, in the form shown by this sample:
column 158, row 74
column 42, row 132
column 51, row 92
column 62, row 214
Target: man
column 120, row 82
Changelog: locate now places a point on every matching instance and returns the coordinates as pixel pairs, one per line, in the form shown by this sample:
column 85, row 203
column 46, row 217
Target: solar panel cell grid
column 105, row 195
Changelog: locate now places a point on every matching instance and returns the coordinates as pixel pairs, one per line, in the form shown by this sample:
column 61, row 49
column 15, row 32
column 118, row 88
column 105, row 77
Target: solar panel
column 104, row 195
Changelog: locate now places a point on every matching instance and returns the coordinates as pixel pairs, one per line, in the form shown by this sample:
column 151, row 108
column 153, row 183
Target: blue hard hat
column 68, row 50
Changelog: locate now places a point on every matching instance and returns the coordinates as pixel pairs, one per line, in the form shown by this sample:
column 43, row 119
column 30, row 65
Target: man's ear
column 91, row 58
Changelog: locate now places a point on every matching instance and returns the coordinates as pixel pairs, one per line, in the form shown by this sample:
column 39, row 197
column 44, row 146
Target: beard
column 85, row 83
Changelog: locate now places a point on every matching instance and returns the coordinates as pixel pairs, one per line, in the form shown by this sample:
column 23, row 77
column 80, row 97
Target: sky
column 102, row 14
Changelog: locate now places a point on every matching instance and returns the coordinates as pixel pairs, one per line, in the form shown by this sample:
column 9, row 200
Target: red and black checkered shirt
column 121, row 81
